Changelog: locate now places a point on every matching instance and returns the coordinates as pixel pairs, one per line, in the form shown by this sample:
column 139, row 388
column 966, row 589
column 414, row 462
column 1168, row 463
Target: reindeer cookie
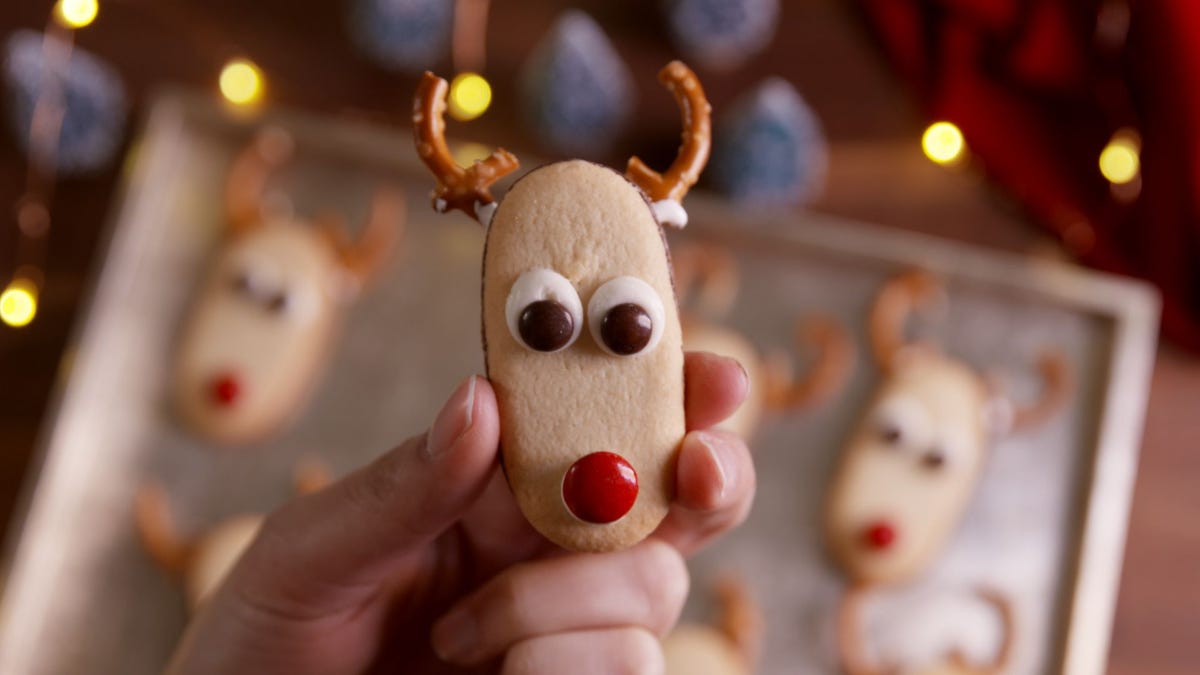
column 856, row 662
column 731, row 647
column 914, row 460
column 253, row 344
column 711, row 273
column 581, row 334
column 202, row 562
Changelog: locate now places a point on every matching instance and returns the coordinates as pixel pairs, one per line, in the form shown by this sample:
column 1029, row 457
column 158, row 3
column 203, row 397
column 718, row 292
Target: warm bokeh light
column 241, row 82
column 1119, row 161
column 470, row 96
column 18, row 303
column 76, row 13
column 943, row 143
column 466, row 154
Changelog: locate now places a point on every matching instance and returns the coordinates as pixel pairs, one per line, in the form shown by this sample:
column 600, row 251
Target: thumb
column 325, row 551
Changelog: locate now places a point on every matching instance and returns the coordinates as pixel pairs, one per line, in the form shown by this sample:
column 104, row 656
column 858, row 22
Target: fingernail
column 453, row 421
column 724, row 465
column 455, row 635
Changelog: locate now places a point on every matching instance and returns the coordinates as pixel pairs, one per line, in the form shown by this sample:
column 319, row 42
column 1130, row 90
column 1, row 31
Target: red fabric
column 1038, row 96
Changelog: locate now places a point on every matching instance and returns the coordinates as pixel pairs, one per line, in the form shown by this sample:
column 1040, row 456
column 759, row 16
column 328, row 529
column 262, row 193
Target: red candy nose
column 600, row 487
column 225, row 389
column 879, row 535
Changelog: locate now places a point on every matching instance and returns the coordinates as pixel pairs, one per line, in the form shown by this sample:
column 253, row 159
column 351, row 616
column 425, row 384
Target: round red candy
column 879, row 535
column 225, row 389
column 600, row 487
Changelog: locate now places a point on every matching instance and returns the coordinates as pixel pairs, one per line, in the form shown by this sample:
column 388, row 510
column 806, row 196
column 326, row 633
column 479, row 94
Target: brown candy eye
column 934, row 460
column 890, row 434
column 546, row 326
column 241, row 283
column 626, row 329
column 278, row 303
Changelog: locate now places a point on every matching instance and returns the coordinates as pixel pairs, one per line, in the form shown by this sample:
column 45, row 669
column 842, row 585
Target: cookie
column 914, row 460
column 855, row 660
column 582, row 338
column 202, row 562
column 253, row 344
column 731, row 646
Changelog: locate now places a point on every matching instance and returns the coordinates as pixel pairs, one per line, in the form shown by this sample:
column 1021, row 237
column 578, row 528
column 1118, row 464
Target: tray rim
column 1132, row 307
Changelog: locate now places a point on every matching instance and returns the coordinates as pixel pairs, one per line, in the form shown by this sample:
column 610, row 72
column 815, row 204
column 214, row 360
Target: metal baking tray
column 1047, row 525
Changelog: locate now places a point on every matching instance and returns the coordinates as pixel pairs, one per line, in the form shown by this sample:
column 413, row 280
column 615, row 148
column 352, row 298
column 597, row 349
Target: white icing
column 439, row 205
column 542, row 284
column 623, row 290
column 484, row 213
column 670, row 212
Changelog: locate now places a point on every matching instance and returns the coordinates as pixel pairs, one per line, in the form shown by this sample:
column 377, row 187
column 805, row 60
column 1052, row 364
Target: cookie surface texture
column 590, row 225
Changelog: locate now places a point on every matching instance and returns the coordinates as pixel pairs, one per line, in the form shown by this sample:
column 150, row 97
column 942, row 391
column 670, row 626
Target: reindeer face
column 909, row 470
column 256, row 335
column 584, row 350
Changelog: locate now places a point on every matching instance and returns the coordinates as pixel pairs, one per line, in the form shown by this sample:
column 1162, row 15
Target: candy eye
column 243, row 283
column 934, row 460
column 278, row 303
column 889, row 433
column 543, row 311
column 626, row 316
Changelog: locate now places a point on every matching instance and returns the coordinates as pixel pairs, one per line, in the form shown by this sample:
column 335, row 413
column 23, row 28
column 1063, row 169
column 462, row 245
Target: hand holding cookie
column 351, row 578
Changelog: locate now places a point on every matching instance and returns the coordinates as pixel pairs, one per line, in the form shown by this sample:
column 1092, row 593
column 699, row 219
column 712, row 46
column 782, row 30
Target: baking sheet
column 1047, row 525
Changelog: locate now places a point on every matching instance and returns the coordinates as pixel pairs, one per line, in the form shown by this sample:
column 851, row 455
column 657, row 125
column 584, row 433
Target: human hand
column 350, row 579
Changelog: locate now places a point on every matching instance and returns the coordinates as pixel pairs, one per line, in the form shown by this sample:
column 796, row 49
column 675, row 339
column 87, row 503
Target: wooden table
column 877, row 174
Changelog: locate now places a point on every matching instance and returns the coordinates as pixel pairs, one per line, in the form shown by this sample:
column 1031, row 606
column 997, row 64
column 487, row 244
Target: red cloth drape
column 1039, row 87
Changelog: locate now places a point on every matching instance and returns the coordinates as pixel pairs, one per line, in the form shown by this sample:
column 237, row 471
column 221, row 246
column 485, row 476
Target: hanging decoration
column 722, row 34
column 770, row 150
column 576, row 91
column 405, row 35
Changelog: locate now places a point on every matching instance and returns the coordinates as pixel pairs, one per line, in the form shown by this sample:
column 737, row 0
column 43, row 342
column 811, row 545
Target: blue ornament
column 405, row 35
column 769, row 148
column 722, row 34
column 576, row 91
column 92, row 99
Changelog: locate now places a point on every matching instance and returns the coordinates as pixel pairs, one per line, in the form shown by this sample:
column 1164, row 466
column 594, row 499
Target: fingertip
column 710, row 469
column 715, row 386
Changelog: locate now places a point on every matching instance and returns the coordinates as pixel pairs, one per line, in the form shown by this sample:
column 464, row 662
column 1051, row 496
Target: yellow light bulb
column 1120, row 161
column 470, row 96
column 76, row 13
column 943, row 143
column 18, row 303
column 241, row 82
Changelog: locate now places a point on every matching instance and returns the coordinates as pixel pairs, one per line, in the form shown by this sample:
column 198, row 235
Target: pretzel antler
column 741, row 619
column 457, row 188
column 157, row 531
column 1003, row 656
column 1057, row 383
column 674, row 183
column 248, row 176
column 899, row 297
column 385, row 225
column 831, row 366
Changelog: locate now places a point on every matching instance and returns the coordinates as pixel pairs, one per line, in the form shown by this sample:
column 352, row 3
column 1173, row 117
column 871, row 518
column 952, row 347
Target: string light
column 241, row 82
column 18, row 303
column 76, row 13
column 943, row 143
column 470, row 96
column 1120, row 160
